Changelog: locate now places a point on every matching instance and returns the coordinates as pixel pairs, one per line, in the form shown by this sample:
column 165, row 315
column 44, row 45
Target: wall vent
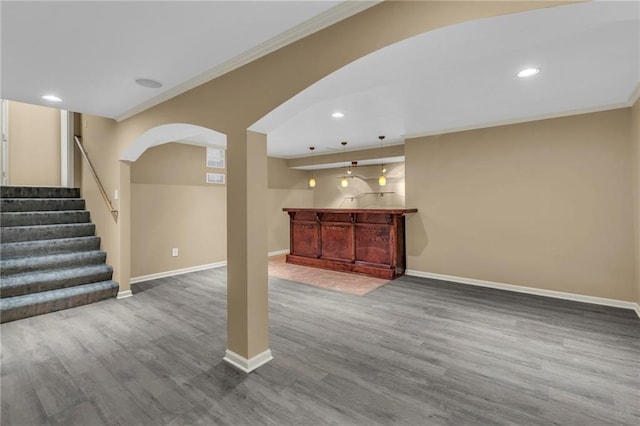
column 217, row 178
column 215, row 158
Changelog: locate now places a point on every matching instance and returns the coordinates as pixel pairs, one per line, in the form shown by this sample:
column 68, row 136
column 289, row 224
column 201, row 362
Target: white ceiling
column 459, row 77
column 89, row 53
column 464, row 76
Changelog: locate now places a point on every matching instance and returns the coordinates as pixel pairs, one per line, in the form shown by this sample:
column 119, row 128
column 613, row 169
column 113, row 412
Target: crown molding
column 300, row 31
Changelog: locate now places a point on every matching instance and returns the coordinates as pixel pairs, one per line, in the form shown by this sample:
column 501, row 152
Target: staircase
column 50, row 258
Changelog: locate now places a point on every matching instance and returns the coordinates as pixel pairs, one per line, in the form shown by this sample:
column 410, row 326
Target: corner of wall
column 635, row 158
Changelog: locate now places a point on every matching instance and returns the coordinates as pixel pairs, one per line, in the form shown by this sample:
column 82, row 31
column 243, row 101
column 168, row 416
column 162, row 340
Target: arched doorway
column 178, row 201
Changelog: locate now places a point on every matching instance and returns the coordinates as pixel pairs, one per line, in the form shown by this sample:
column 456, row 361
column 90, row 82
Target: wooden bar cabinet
column 366, row 241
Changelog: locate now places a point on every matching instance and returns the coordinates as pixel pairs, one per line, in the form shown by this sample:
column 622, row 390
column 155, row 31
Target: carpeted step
column 40, row 204
column 55, row 261
column 12, row 234
column 35, row 282
column 43, row 218
column 50, row 258
column 45, row 247
column 38, row 192
column 13, row 308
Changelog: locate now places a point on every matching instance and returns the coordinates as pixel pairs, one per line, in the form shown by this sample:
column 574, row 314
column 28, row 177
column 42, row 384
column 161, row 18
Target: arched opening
column 178, row 201
column 174, row 132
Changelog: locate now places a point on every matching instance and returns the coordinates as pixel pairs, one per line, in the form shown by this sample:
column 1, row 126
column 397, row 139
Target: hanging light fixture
column 312, row 180
column 344, row 182
column 382, row 180
column 353, row 165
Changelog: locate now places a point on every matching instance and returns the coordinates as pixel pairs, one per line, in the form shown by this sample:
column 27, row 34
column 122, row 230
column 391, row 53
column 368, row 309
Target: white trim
column 174, row 272
column 4, row 140
column 637, row 309
column 165, row 274
column 278, row 252
column 247, row 365
column 317, row 23
column 528, row 290
column 66, row 149
column 549, row 116
column 124, row 294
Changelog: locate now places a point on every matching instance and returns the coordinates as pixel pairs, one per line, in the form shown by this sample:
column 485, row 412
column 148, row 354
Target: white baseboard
column 247, row 365
column 124, row 294
column 529, row 290
column 177, row 272
column 174, row 272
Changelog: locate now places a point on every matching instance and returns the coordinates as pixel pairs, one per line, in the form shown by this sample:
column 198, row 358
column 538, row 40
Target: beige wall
column 542, row 204
column 287, row 188
column 99, row 137
column 192, row 218
column 34, row 145
column 172, row 206
column 280, row 176
column 635, row 142
column 278, row 231
column 173, row 164
column 328, row 192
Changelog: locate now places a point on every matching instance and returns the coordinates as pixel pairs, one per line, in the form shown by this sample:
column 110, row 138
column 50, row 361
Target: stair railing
column 106, row 199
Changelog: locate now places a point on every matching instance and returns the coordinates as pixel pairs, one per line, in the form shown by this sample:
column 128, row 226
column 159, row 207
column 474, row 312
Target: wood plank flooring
column 414, row 352
column 358, row 284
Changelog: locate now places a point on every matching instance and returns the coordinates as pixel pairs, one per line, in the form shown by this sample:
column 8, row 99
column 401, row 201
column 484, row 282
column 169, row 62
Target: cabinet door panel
column 373, row 244
column 305, row 240
column 337, row 241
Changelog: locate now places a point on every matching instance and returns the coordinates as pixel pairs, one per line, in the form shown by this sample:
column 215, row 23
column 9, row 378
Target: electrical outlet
column 115, row 194
column 174, row 252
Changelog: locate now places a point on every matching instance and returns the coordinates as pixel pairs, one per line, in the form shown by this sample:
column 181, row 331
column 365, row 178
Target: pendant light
column 312, row 180
column 344, row 182
column 353, row 165
column 382, row 180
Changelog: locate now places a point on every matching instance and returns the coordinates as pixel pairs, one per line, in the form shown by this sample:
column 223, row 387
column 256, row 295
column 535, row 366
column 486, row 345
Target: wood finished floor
column 358, row 284
column 415, row 351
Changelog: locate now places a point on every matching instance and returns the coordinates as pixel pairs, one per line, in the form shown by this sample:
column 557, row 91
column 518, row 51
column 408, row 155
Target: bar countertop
column 389, row 211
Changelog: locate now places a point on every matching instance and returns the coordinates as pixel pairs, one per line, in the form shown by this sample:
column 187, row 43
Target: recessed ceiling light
column 528, row 72
column 337, row 114
column 147, row 82
column 52, row 98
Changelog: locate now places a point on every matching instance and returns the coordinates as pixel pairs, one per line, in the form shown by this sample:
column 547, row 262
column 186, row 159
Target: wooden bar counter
column 367, row 241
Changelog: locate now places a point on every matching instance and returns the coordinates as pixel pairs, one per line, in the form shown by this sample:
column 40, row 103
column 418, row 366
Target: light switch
column 174, row 252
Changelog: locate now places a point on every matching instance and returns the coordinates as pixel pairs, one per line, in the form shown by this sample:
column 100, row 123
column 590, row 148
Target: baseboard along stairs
column 50, row 258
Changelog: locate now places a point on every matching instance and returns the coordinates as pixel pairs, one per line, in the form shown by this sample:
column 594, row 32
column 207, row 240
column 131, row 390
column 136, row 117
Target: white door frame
column 4, row 140
column 66, row 149
column 66, row 146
